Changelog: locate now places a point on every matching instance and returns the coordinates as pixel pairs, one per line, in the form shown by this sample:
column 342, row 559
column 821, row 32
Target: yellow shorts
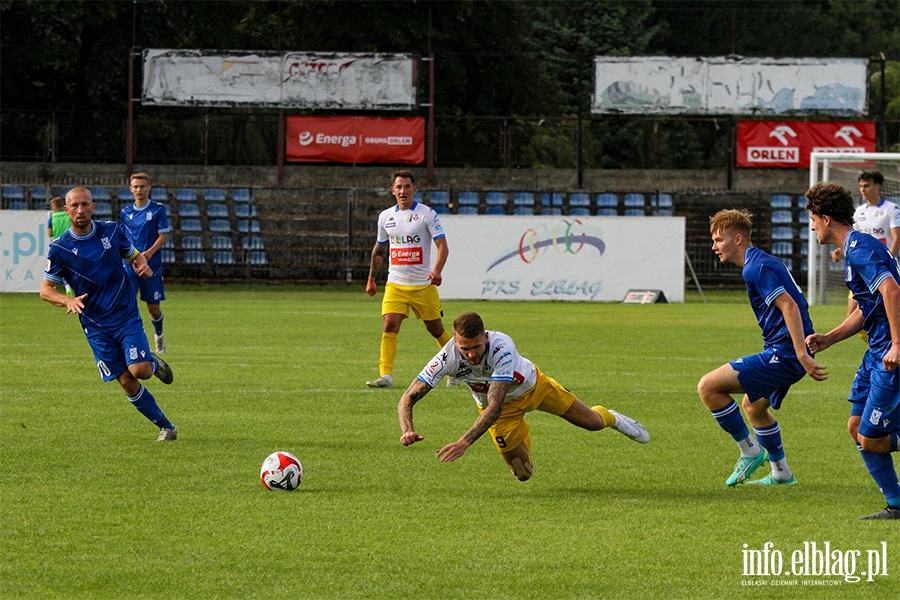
column 423, row 299
column 547, row 395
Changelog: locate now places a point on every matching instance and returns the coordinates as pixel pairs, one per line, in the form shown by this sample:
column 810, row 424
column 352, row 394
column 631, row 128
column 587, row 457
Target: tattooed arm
column 416, row 391
column 379, row 253
column 496, row 398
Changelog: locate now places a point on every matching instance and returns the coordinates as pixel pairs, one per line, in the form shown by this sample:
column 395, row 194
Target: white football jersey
column 501, row 362
column 877, row 220
column 410, row 234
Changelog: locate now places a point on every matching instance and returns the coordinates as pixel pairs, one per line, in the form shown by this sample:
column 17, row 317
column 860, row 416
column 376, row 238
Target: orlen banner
column 562, row 258
column 23, row 249
column 356, row 140
column 788, row 143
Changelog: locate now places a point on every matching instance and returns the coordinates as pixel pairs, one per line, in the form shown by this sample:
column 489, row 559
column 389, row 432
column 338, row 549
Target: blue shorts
column 875, row 397
column 116, row 348
column 151, row 289
column 767, row 375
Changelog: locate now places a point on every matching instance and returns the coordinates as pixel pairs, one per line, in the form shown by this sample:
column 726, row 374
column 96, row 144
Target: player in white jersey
column 405, row 235
column 878, row 217
column 505, row 386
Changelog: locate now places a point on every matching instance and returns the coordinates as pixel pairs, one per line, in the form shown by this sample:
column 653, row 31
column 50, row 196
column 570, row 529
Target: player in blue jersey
column 874, row 279
column 89, row 256
column 147, row 227
column 765, row 378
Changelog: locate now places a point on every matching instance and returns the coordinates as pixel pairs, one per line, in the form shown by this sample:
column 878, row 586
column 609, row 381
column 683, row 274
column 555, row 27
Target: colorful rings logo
column 534, row 242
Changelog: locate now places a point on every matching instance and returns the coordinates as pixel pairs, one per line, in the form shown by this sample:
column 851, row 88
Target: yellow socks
column 441, row 341
column 608, row 418
column 388, row 353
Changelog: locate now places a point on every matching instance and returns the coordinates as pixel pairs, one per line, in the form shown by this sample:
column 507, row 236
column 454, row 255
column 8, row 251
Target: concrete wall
column 792, row 181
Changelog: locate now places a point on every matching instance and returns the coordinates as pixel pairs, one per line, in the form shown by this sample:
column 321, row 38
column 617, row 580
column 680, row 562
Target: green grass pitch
column 91, row 507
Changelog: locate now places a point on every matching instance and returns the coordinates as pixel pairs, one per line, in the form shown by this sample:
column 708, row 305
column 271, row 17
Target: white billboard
column 282, row 79
column 730, row 86
column 562, row 258
column 23, row 249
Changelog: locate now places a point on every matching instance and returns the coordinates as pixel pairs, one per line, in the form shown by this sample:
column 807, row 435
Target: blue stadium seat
column 417, row 197
column 664, row 212
column 252, row 228
column 580, row 200
column 495, row 201
column 781, row 201
column 103, row 210
column 214, row 195
column 804, row 235
column 170, row 243
column 101, row 194
column 223, row 258
column 220, row 226
column 438, row 198
column 782, row 248
column 661, row 201
column 245, row 211
column 553, row 200
column 192, row 242
column 190, row 211
column 782, row 233
column 523, row 199
column 39, row 194
column 217, row 211
column 257, row 259
column 17, row 205
column 159, row 194
column 221, row 242
column 634, row 200
column 580, row 212
column 523, row 211
column 635, row 212
column 607, row 201
column 782, row 216
column 801, row 201
column 168, row 257
column 125, row 195
column 495, row 210
column 241, row 195
column 441, row 210
column 551, row 211
column 253, row 243
column 467, row 210
column 788, row 262
column 467, row 199
column 185, row 195
column 194, row 257
column 13, row 193
column 191, row 225
column 607, row 212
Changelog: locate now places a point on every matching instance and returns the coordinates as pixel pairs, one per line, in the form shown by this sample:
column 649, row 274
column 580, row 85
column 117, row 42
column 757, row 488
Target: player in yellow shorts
column 505, row 387
column 405, row 235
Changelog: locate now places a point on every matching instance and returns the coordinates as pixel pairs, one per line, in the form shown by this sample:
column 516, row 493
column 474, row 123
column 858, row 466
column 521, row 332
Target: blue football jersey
column 92, row 265
column 143, row 226
column 767, row 278
column 869, row 263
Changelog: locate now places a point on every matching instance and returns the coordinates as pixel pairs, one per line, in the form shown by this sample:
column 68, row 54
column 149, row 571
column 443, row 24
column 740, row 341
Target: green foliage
column 91, row 507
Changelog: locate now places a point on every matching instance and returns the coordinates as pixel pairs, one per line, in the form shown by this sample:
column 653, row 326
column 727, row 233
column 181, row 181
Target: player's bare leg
column 519, row 462
column 598, row 417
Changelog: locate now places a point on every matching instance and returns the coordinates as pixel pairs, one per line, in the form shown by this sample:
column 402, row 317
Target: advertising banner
column 722, row 85
column 356, row 140
column 595, row 259
column 23, row 249
column 348, row 81
column 788, row 143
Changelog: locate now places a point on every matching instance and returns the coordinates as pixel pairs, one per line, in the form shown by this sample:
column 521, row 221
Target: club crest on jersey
column 876, row 414
column 105, row 242
column 132, row 353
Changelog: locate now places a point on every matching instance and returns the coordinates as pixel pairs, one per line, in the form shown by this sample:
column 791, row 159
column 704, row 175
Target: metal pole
column 431, row 121
column 129, row 128
column 280, row 142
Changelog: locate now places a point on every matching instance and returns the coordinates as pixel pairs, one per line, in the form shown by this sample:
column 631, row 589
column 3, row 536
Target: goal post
column 825, row 279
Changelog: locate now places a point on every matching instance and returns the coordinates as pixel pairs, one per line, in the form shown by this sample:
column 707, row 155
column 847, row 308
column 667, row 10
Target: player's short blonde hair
column 738, row 220
column 143, row 176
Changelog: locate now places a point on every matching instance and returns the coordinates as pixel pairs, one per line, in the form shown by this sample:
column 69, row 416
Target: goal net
column 825, row 277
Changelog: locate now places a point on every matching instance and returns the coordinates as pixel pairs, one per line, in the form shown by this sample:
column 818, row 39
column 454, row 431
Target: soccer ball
column 281, row 471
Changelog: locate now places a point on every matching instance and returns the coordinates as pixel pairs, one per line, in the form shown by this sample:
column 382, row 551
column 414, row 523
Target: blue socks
column 157, row 325
column 730, row 419
column 770, row 439
column 146, row 405
column 881, row 468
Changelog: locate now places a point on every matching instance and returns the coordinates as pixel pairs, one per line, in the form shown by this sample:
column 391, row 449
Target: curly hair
column 732, row 218
column 831, row 199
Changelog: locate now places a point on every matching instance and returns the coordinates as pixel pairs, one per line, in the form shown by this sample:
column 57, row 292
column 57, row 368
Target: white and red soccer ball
column 281, row 471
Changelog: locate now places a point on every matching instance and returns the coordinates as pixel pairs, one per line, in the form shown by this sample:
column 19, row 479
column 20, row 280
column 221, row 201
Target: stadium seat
column 467, row 199
column 13, row 193
column 441, row 210
column 607, row 212
column 496, row 203
column 495, row 210
column 788, row 262
column 241, row 195
column 101, row 194
column 159, row 194
column 194, row 257
column 214, row 195
column 523, row 211
column 523, row 199
column 168, row 257
column 17, row 205
column 801, row 201
column 580, row 200
column 467, row 210
column 439, row 198
column 170, row 243
column 552, row 200
column 217, row 211
column 551, row 211
column 39, row 194
column 103, row 210
column 63, row 191
column 663, row 212
column 417, row 197
column 804, row 235
column 803, row 218
column 580, row 212
column 220, row 226
column 781, row 201
column 192, row 242
column 223, row 258
column 190, row 211
column 782, row 248
column 607, row 201
column 782, row 216
column 191, row 225
column 253, row 243
column 253, row 227
column 635, row 200
column 245, row 211
column 186, row 195
column 125, row 195
column 221, row 242
column 257, row 259
column 782, row 233
column 635, row 212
